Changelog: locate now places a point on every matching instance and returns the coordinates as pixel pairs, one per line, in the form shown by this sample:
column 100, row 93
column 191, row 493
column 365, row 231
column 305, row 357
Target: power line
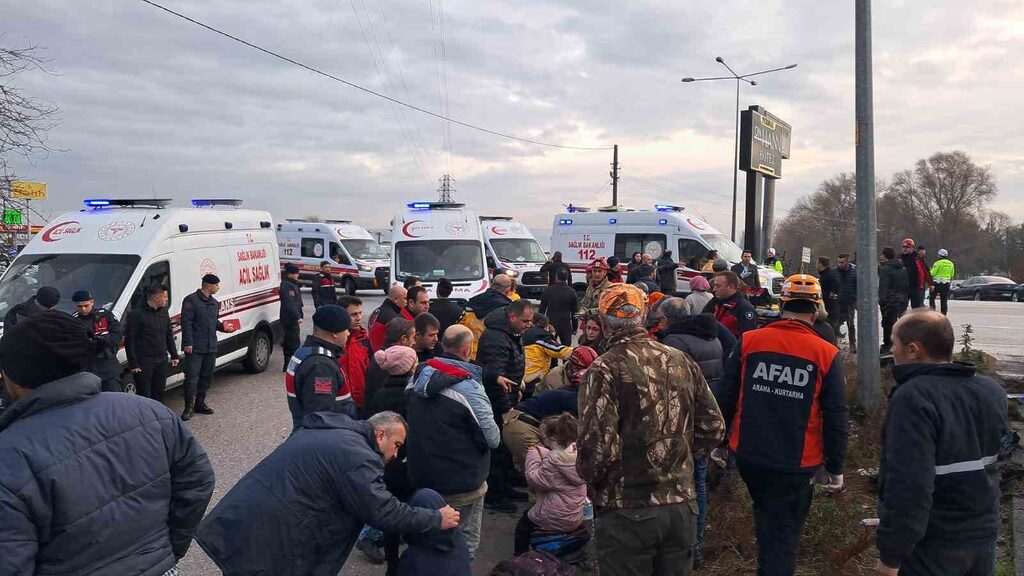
column 367, row 90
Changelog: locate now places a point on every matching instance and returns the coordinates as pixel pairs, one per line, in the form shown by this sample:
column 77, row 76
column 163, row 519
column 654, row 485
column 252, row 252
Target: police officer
column 323, row 286
column 106, row 333
column 200, row 322
column 783, row 398
column 314, row 382
column 291, row 312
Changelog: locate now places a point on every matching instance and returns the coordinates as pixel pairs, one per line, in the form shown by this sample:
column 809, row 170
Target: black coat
column 391, row 396
column 21, row 311
column 753, row 277
column 448, row 312
column 200, row 322
column 314, row 382
column 910, row 265
column 893, row 282
column 148, row 338
column 487, row 302
column 324, row 290
column 300, row 510
column 667, row 275
column 847, row 284
column 551, row 268
column 500, row 353
column 938, row 478
column 107, row 334
column 697, row 336
column 97, row 483
column 291, row 303
column 560, row 304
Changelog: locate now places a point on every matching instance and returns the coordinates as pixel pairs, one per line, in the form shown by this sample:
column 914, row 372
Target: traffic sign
column 805, row 255
column 12, row 217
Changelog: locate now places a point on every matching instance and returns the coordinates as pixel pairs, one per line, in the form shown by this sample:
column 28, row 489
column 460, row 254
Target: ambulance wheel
column 258, row 358
column 128, row 383
column 350, row 287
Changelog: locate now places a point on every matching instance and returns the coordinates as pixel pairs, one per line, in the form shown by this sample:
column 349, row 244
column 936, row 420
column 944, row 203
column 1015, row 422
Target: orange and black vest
column 790, row 406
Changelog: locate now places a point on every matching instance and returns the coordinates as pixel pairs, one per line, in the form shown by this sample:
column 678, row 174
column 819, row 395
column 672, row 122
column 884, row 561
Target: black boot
column 190, row 405
column 201, row 407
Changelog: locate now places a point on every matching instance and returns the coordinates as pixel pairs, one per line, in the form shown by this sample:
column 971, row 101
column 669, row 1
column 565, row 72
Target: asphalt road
column 252, row 419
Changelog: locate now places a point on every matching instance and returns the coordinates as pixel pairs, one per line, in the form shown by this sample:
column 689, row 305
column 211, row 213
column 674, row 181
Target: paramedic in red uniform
column 323, row 286
column 784, row 399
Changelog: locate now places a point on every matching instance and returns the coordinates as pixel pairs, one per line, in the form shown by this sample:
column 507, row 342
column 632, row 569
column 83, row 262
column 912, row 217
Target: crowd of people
column 605, row 410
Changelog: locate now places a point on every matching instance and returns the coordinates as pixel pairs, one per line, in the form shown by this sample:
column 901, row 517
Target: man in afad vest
column 783, row 398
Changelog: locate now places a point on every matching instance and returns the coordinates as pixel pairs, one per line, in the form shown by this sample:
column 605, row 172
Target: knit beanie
column 699, row 284
column 396, row 360
column 45, row 347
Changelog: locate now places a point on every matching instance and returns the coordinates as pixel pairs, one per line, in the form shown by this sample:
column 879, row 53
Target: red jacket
column 355, row 361
column 387, row 312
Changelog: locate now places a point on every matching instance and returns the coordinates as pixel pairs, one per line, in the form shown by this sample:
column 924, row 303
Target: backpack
column 532, row 563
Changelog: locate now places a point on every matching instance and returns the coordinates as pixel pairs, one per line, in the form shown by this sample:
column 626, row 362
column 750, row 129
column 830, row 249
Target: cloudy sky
column 153, row 105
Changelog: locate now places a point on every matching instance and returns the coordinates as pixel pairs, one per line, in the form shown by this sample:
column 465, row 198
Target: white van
column 358, row 261
column 114, row 248
column 511, row 247
column 582, row 235
column 434, row 240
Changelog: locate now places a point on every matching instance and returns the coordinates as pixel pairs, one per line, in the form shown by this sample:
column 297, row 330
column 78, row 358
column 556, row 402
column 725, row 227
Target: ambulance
column 115, row 248
column 511, row 247
column 357, row 260
column 434, row 240
column 582, row 235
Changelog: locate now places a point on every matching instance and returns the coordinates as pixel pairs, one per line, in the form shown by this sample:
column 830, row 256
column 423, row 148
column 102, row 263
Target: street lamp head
column 687, row 79
column 790, row 67
column 719, row 59
column 753, row 82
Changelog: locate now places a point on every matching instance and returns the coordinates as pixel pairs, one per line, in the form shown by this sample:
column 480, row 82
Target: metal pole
column 615, row 175
column 735, row 160
column 869, row 387
column 768, row 219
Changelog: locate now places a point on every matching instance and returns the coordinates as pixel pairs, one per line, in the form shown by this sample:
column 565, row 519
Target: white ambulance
column 115, row 248
column 511, row 247
column 434, row 240
column 357, row 260
column 582, row 235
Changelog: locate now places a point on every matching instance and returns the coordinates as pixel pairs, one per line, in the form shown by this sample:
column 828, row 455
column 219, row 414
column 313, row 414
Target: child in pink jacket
column 551, row 474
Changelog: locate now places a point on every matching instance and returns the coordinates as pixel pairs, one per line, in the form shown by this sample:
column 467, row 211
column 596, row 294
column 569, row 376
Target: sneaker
column 370, row 549
column 500, row 505
column 203, row 408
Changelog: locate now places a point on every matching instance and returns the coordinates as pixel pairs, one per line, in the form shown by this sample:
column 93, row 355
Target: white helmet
column 771, row 252
column 943, row 253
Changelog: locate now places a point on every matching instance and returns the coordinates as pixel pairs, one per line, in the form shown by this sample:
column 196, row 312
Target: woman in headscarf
column 700, row 295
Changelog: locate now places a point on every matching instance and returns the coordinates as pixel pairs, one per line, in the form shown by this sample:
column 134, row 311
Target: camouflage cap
column 622, row 301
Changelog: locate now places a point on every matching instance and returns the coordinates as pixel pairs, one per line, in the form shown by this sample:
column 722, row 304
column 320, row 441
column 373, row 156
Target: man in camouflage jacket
column 646, row 413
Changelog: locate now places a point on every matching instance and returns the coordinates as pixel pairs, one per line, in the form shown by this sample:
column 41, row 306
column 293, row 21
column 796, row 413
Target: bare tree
column 24, row 120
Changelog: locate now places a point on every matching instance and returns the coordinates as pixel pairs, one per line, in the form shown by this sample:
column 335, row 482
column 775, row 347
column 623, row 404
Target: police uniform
column 200, row 322
column 291, row 314
column 324, row 290
column 313, row 381
column 107, row 333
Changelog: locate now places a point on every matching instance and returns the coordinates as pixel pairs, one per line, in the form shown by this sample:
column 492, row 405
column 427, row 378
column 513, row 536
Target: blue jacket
column 97, row 483
column 551, row 403
column 435, row 552
column 314, row 382
column 455, row 430
column 300, row 510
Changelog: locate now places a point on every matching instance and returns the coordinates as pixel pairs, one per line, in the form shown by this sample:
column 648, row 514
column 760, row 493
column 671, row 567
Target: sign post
column 764, row 144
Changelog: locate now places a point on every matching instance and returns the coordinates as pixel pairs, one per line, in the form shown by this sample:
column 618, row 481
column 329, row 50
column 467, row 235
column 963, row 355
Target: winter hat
column 332, row 318
column 211, row 279
column 699, row 284
column 45, row 347
column 613, row 262
column 581, row 359
column 622, row 301
column 290, row 268
column 771, row 252
column 48, row 297
column 908, row 242
column 598, row 264
column 396, row 360
column 943, row 253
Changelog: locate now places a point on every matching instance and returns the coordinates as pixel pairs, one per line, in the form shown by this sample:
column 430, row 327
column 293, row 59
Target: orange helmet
column 801, row 287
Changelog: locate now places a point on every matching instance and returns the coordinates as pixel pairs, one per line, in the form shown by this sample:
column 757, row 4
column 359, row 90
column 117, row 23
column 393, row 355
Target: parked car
column 987, row 288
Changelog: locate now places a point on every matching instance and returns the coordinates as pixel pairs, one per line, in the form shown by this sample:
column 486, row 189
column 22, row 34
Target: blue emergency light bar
column 97, row 202
column 565, row 221
column 613, row 220
column 419, row 205
column 432, row 205
column 205, row 202
column 667, row 208
column 127, row 202
column 663, row 221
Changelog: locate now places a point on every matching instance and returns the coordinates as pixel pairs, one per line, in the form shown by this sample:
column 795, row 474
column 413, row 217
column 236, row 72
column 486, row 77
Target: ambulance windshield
column 726, row 248
column 431, row 260
column 518, row 250
column 363, row 249
column 105, row 275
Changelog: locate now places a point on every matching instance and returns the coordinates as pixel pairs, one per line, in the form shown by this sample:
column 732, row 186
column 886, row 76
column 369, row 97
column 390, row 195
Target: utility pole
column 615, row 175
column 869, row 386
column 445, row 190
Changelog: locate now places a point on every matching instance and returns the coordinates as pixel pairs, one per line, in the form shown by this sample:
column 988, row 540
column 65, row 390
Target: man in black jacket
column 667, row 273
column 560, row 304
column 291, row 312
column 148, row 341
column 447, row 311
column 893, row 285
column 313, row 381
column 200, row 322
column 324, row 290
column 552, row 267
column 493, row 298
column 284, row 520
column 106, row 333
column 746, row 269
column 90, row 482
column 830, row 290
column 501, row 356
column 917, row 274
column 847, row 272
column 46, row 298
column 939, row 487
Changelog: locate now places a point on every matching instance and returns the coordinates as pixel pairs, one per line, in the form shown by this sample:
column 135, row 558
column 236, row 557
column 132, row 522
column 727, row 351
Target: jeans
column 700, row 482
column 781, row 503
column 942, row 291
column 470, row 517
column 655, row 541
column 199, row 374
column 945, row 559
column 151, row 381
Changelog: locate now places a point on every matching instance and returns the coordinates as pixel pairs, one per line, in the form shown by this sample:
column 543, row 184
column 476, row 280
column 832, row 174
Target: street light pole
column 736, row 143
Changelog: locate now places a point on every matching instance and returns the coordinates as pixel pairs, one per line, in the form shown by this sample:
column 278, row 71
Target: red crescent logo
column 497, row 232
column 405, row 229
column 58, row 231
column 698, row 225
